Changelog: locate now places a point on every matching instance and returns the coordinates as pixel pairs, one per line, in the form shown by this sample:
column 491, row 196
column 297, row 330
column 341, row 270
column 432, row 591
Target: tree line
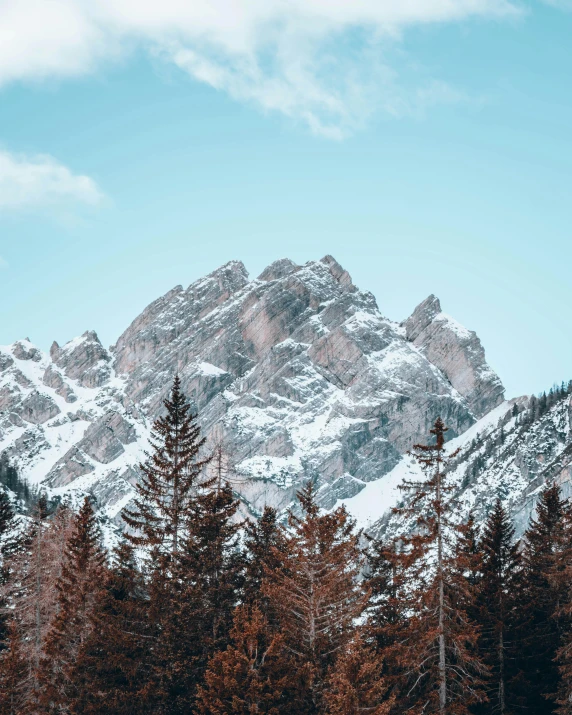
column 196, row 611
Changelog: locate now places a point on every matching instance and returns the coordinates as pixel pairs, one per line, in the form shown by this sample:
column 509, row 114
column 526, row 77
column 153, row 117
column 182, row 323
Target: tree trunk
column 442, row 658
column 501, row 672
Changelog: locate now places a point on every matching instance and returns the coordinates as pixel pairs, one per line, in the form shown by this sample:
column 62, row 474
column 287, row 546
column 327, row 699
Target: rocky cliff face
column 296, row 374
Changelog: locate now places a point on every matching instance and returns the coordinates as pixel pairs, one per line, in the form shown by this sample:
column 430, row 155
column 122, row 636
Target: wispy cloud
column 316, row 61
column 3, row 263
column 40, row 181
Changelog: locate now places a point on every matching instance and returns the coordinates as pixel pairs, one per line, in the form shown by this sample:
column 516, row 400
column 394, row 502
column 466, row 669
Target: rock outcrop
column 83, row 359
column 457, row 352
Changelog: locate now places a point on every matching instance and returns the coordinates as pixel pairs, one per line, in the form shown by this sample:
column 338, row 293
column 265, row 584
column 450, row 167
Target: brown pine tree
column 316, row 592
column 356, row 684
column 82, row 576
column 30, row 591
column 14, row 675
column 255, row 674
column 442, row 669
column 263, row 545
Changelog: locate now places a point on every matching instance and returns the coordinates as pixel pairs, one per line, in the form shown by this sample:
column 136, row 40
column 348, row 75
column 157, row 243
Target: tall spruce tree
column 82, row 575
column 112, row 667
column 442, row 670
column 543, row 621
column 497, row 603
column 170, row 475
column 201, row 598
column 562, row 579
column 263, row 545
column 387, row 576
column 316, row 591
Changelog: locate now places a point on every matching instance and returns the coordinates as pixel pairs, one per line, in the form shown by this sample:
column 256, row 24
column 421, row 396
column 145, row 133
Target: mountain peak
column 339, row 273
column 296, row 373
column 278, row 269
column 457, row 352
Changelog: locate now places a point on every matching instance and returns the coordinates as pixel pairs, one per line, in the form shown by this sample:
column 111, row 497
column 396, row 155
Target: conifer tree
column 263, row 544
column 6, row 514
column 562, row 579
column 14, row 675
column 32, row 593
column 356, row 684
column 543, row 593
column 387, row 578
column 441, row 667
column 206, row 585
column 497, row 601
column 112, row 667
column 170, row 476
column 316, row 592
column 81, row 578
column 255, row 674
column 7, row 547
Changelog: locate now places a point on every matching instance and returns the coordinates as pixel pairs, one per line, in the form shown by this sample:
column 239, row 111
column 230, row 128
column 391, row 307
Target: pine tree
column 263, row 545
column 170, row 476
column 7, row 547
column 316, row 592
column 205, row 589
column 255, row 674
column 387, row 578
column 31, row 591
column 6, row 514
column 542, row 595
column 441, row 667
column 14, row 675
column 81, row 578
column 112, row 668
column 562, row 580
column 497, row 601
column 541, row 598
column 356, row 685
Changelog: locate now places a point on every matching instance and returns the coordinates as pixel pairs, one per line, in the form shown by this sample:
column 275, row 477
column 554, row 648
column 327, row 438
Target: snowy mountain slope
column 296, row 373
column 510, row 453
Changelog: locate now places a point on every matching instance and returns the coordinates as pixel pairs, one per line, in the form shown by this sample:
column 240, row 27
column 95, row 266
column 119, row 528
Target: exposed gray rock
column 72, row 465
column 24, row 352
column 104, row 439
column 458, row 353
column 5, row 362
column 279, row 269
column 53, row 378
column 83, row 359
column 38, row 408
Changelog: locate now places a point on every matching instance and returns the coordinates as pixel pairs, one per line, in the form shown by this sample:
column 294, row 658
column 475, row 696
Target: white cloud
column 40, row 181
column 316, row 61
column 3, row 263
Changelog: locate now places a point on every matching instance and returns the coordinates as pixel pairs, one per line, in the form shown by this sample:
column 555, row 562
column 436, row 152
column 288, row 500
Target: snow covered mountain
column 296, row 374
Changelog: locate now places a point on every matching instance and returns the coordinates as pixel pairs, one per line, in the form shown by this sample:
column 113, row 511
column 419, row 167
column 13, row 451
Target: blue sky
column 425, row 144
